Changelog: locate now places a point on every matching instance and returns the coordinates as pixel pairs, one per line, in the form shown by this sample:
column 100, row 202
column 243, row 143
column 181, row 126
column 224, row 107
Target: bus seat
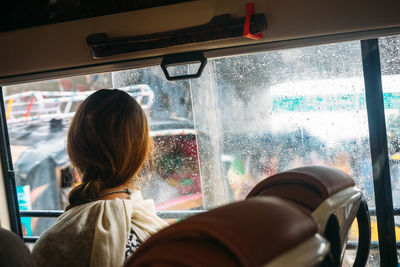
column 308, row 186
column 13, row 252
column 259, row 231
column 330, row 194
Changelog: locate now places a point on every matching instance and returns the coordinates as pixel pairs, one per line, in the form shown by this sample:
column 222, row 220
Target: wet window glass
column 390, row 66
column 264, row 113
column 260, row 114
column 246, row 118
column 38, row 116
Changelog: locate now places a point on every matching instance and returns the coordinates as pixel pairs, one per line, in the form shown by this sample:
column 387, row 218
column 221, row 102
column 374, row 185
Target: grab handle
column 220, row 27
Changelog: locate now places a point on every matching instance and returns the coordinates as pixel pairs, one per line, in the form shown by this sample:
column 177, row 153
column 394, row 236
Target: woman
column 108, row 142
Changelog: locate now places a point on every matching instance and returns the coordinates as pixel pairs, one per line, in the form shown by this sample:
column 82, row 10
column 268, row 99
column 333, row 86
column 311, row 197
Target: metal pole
column 379, row 152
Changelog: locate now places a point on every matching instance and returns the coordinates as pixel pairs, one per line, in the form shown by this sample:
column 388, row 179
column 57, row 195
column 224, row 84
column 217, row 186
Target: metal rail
column 352, row 245
column 170, row 214
column 174, row 214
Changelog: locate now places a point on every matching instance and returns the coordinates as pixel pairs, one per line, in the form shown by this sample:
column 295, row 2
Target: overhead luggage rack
column 220, row 27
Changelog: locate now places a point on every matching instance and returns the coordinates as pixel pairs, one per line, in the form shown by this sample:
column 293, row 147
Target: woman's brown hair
column 108, row 141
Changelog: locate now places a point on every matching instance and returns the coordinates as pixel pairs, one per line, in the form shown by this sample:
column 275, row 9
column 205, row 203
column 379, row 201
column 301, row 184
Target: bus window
column 267, row 112
column 247, row 117
column 390, row 67
column 38, row 115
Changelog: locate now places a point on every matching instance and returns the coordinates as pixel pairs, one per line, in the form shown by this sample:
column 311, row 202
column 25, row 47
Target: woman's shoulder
column 94, row 208
column 82, row 230
column 64, row 243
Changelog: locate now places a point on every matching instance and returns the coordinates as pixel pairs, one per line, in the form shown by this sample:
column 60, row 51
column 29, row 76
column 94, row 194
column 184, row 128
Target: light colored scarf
column 95, row 234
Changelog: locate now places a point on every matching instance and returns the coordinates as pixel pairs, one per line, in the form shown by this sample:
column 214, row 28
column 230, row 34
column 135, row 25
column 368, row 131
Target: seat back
column 13, row 251
column 334, row 201
column 254, row 232
column 308, row 186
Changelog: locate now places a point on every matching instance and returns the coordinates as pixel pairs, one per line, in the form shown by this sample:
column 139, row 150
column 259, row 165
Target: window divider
column 379, row 152
column 8, row 172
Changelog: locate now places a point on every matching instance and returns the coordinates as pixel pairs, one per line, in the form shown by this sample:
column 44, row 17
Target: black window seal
column 379, row 151
column 8, row 172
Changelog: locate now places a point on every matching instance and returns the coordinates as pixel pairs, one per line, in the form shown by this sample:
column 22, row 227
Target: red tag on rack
column 246, row 29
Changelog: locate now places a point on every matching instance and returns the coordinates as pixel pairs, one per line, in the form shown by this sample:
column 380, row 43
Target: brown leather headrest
column 321, row 181
column 13, row 251
column 246, row 233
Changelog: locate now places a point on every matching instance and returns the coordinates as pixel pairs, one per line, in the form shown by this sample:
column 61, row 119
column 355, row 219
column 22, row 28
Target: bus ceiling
column 61, row 49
